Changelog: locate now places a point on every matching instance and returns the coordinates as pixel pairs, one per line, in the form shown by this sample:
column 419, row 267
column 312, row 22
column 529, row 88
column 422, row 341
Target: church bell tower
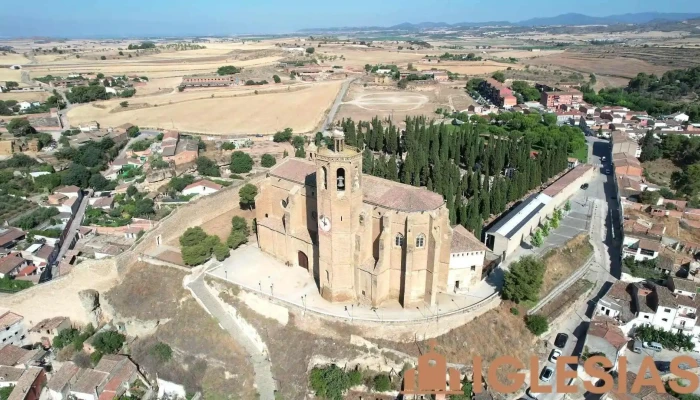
column 339, row 204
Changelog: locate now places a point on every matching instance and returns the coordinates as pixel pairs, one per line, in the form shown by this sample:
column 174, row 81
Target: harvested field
column 12, row 59
column 7, row 74
column 664, row 57
column 468, row 68
column 25, row 96
column 604, row 64
column 561, row 263
column 659, row 171
column 60, row 296
column 357, row 57
column 301, row 110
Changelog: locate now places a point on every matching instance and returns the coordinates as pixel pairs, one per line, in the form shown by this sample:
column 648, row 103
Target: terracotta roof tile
column 10, row 263
column 567, row 179
column 463, row 241
column 8, row 319
column 63, row 376
column 10, row 354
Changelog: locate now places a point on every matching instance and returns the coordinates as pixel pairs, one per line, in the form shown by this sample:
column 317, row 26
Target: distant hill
column 569, row 19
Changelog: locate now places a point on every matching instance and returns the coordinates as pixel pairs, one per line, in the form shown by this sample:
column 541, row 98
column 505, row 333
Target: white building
column 12, row 330
column 680, row 117
column 203, row 187
column 466, row 260
column 639, row 248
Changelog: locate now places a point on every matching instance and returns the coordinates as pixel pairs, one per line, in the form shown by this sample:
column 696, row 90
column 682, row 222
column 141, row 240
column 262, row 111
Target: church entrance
column 303, row 260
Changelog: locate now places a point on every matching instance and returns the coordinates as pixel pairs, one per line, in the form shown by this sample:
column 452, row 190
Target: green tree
column 124, row 104
column 207, row 167
column 545, row 228
column 567, row 206
column 241, row 162
column 283, row 136
column 298, row 141
column 193, row 236
column 20, row 127
column 498, row 75
column 220, row 250
column 239, row 223
column 310, row 50
column 133, row 131
column 267, row 160
column 228, row 70
column 276, row 78
column 300, row 152
column 523, row 280
column 650, row 197
column 76, row 175
column 5, row 392
column 65, row 337
column 103, row 58
column 247, row 195
column 236, row 238
column 108, row 342
column 537, row 324
column 536, row 239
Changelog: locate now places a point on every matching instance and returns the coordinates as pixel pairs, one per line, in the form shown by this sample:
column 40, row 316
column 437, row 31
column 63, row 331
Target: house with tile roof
column 12, row 330
column 112, row 377
column 202, row 187
column 362, row 238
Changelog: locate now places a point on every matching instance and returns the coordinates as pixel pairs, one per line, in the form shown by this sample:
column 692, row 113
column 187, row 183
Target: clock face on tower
column 324, row 223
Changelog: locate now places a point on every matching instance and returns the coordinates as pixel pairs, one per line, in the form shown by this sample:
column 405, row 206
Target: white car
column 555, row 354
column 546, row 374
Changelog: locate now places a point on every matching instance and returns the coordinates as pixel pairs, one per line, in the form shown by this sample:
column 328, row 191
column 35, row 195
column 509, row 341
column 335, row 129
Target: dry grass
column 148, row 292
column 561, row 263
column 560, row 303
column 25, row 96
column 599, row 64
column 300, row 110
column 660, row 171
column 468, row 68
column 221, row 225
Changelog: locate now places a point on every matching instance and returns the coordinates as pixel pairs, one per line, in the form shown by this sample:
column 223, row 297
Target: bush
column 247, row 195
column 283, row 136
column 108, row 342
column 241, row 162
column 537, row 324
column 207, row 167
column 228, row 70
column 382, row 383
column 514, row 311
column 329, row 382
column 162, row 352
column 268, row 160
column 235, row 239
column 124, row 104
column 276, row 78
column 670, row 340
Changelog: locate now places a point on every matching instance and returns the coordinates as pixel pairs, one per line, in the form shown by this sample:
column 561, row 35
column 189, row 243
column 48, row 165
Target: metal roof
column 509, row 225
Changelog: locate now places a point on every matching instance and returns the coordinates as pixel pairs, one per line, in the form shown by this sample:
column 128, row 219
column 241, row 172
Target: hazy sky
column 70, row 18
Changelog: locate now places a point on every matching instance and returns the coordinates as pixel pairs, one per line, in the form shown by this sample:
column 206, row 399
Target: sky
column 130, row 18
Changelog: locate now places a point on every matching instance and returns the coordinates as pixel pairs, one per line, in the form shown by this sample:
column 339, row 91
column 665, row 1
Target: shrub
column 162, row 352
column 382, row 383
column 241, row 162
column 523, row 280
column 108, row 342
column 514, row 311
column 537, row 324
column 268, row 160
column 247, row 195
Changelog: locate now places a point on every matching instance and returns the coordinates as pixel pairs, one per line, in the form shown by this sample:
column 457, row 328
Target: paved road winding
column 261, row 364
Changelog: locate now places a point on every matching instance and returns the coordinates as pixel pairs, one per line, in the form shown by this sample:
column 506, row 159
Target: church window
column 324, row 178
column 420, row 241
column 398, row 240
column 340, row 176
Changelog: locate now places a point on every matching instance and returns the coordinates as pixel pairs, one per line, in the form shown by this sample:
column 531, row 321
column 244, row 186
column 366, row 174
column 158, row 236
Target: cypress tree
column 392, row 169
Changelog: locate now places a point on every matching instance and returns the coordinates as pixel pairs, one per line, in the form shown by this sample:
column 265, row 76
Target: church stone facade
column 363, row 239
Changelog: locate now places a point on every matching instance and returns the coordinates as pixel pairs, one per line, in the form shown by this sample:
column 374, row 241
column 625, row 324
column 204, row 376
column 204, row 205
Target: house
column 10, row 236
column 625, row 164
column 208, row 80
column 11, row 264
column 640, row 248
column 102, row 202
column 678, row 117
column 69, row 191
column 68, row 205
column 683, row 287
column 44, row 331
column 605, row 337
column 497, row 92
column 15, row 356
column 180, row 151
column 203, row 187
column 61, row 381
column 29, row 385
column 555, row 99
column 40, row 252
column 616, row 303
column 89, row 126
column 113, row 376
column 12, row 329
column 621, row 143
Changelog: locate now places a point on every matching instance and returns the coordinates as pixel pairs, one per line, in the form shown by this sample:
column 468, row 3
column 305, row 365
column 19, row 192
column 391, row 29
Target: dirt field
column 563, row 262
column 468, row 68
column 599, row 63
column 301, row 110
column 362, row 104
column 660, row 171
column 221, row 225
column 357, row 57
column 60, row 297
column 25, row 96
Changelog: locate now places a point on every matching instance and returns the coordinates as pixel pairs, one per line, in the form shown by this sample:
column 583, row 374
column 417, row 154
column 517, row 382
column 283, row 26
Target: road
column 264, row 380
column 605, row 267
column 72, row 229
column 336, row 104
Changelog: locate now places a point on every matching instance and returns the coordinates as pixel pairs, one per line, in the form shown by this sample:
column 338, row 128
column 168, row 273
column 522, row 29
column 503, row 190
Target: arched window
column 398, row 241
column 324, row 178
column 420, row 241
column 340, row 176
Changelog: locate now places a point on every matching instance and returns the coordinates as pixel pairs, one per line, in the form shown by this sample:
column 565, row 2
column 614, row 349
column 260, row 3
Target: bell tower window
column 324, row 178
column 340, row 176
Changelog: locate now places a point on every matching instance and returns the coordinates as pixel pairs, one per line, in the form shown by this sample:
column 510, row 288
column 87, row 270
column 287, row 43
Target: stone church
column 363, row 239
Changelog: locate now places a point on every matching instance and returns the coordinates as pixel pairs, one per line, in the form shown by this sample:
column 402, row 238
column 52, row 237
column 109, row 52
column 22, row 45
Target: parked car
column 584, row 186
column 561, row 340
column 653, row 346
column 555, row 354
column 602, row 159
column 546, row 374
column 637, row 347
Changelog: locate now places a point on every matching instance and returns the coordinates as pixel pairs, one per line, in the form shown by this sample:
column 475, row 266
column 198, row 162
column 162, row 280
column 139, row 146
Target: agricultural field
column 468, row 67
column 599, row 64
column 229, row 112
column 11, row 207
column 25, row 96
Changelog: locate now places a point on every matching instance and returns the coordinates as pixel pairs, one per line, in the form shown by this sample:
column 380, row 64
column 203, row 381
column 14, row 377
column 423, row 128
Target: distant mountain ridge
column 563, row 19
